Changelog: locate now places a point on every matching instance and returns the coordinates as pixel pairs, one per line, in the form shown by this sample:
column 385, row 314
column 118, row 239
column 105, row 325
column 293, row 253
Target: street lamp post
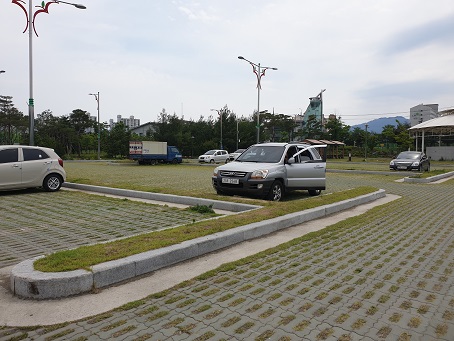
column 30, row 16
column 321, row 108
column 220, row 120
column 259, row 72
column 365, row 145
column 99, row 125
column 237, row 133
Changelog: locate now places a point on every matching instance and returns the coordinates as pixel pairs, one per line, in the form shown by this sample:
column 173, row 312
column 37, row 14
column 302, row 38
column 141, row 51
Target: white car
column 214, row 156
column 235, row 154
column 28, row 166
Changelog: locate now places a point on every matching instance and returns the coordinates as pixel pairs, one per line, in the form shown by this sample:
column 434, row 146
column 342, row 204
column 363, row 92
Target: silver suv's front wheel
column 276, row 191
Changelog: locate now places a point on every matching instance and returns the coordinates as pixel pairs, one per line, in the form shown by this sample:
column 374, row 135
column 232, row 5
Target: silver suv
column 268, row 170
column 27, row 166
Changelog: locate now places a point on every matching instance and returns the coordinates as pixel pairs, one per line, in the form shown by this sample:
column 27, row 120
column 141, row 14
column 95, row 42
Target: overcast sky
column 374, row 58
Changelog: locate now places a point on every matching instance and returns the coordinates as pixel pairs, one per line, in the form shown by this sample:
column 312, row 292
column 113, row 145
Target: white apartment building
column 130, row 122
column 422, row 113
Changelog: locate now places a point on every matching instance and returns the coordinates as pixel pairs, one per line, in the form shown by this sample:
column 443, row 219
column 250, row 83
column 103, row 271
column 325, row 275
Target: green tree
column 80, row 121
column 278, row 127
column 356, row 137
column 312, row 129
column 169, row 128
column 336, row 130
column 247, row 131
column 387, row 140
column 229, row 129
column 204, row 135
column 55, row 132
column 46, row 131
column 13, row 124
column 372, row 140
column 388, row 133
column 402, row 136
column 118, row 141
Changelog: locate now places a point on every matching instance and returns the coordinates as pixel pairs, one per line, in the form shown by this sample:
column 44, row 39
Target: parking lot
column 385, row 275
column 35, row 222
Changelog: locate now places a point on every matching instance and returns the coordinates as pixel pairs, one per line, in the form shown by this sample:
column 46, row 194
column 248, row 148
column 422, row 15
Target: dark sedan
column 411, row 161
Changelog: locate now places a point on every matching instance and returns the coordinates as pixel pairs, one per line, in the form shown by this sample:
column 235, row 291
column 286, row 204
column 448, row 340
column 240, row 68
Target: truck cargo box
column 154, row 147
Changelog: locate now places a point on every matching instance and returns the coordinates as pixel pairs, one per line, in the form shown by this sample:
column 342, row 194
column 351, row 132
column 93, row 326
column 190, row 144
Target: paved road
column 385, row 275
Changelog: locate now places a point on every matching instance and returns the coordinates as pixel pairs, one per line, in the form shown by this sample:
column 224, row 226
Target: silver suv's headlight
column 215, row 172
column 391, row 163
column 260, row 174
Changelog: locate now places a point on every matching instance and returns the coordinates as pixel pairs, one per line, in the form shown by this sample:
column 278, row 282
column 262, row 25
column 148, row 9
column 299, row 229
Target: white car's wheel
column 52, row 183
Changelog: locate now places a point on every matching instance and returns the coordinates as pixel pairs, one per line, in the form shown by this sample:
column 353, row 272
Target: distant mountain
column 376, row 126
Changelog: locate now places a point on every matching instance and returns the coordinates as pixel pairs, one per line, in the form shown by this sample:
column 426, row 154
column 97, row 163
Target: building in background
column 147, row 129
column 422, row 113
column 315, row 108
column 130, row 122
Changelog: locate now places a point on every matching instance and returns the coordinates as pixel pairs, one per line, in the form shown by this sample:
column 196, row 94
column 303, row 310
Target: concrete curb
column 184, row 200
column 368, row 172
column 429, row 179
column 28, row 283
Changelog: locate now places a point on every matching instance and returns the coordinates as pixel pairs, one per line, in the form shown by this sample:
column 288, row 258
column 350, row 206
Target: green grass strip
column 86, row 256
column 430, row 174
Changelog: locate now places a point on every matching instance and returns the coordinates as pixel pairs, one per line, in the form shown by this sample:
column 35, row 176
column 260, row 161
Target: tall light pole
column 365, row 145
column 30, row 16
column 99, row 125
column 321, row 108
column 259, row 72
column 237, row 133
column 220, row 119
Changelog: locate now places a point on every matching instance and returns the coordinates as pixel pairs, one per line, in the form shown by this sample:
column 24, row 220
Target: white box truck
column 153, row 152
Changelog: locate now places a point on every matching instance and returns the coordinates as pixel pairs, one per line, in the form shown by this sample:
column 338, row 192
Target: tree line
column 75, row 135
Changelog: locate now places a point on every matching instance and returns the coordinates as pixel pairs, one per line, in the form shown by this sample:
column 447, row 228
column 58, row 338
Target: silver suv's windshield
column 262, row 154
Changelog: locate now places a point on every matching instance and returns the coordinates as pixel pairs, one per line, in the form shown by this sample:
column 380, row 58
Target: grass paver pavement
column 385, row 275
column 64, row 220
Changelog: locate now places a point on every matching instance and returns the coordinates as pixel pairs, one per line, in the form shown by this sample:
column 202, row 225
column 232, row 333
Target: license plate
column 230, row 181
column 402, row 167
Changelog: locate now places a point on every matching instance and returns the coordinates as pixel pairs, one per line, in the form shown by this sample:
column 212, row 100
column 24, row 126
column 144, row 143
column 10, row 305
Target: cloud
column 438, row 31
column 181, row 55
column 200, row 15
column 415, row 91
